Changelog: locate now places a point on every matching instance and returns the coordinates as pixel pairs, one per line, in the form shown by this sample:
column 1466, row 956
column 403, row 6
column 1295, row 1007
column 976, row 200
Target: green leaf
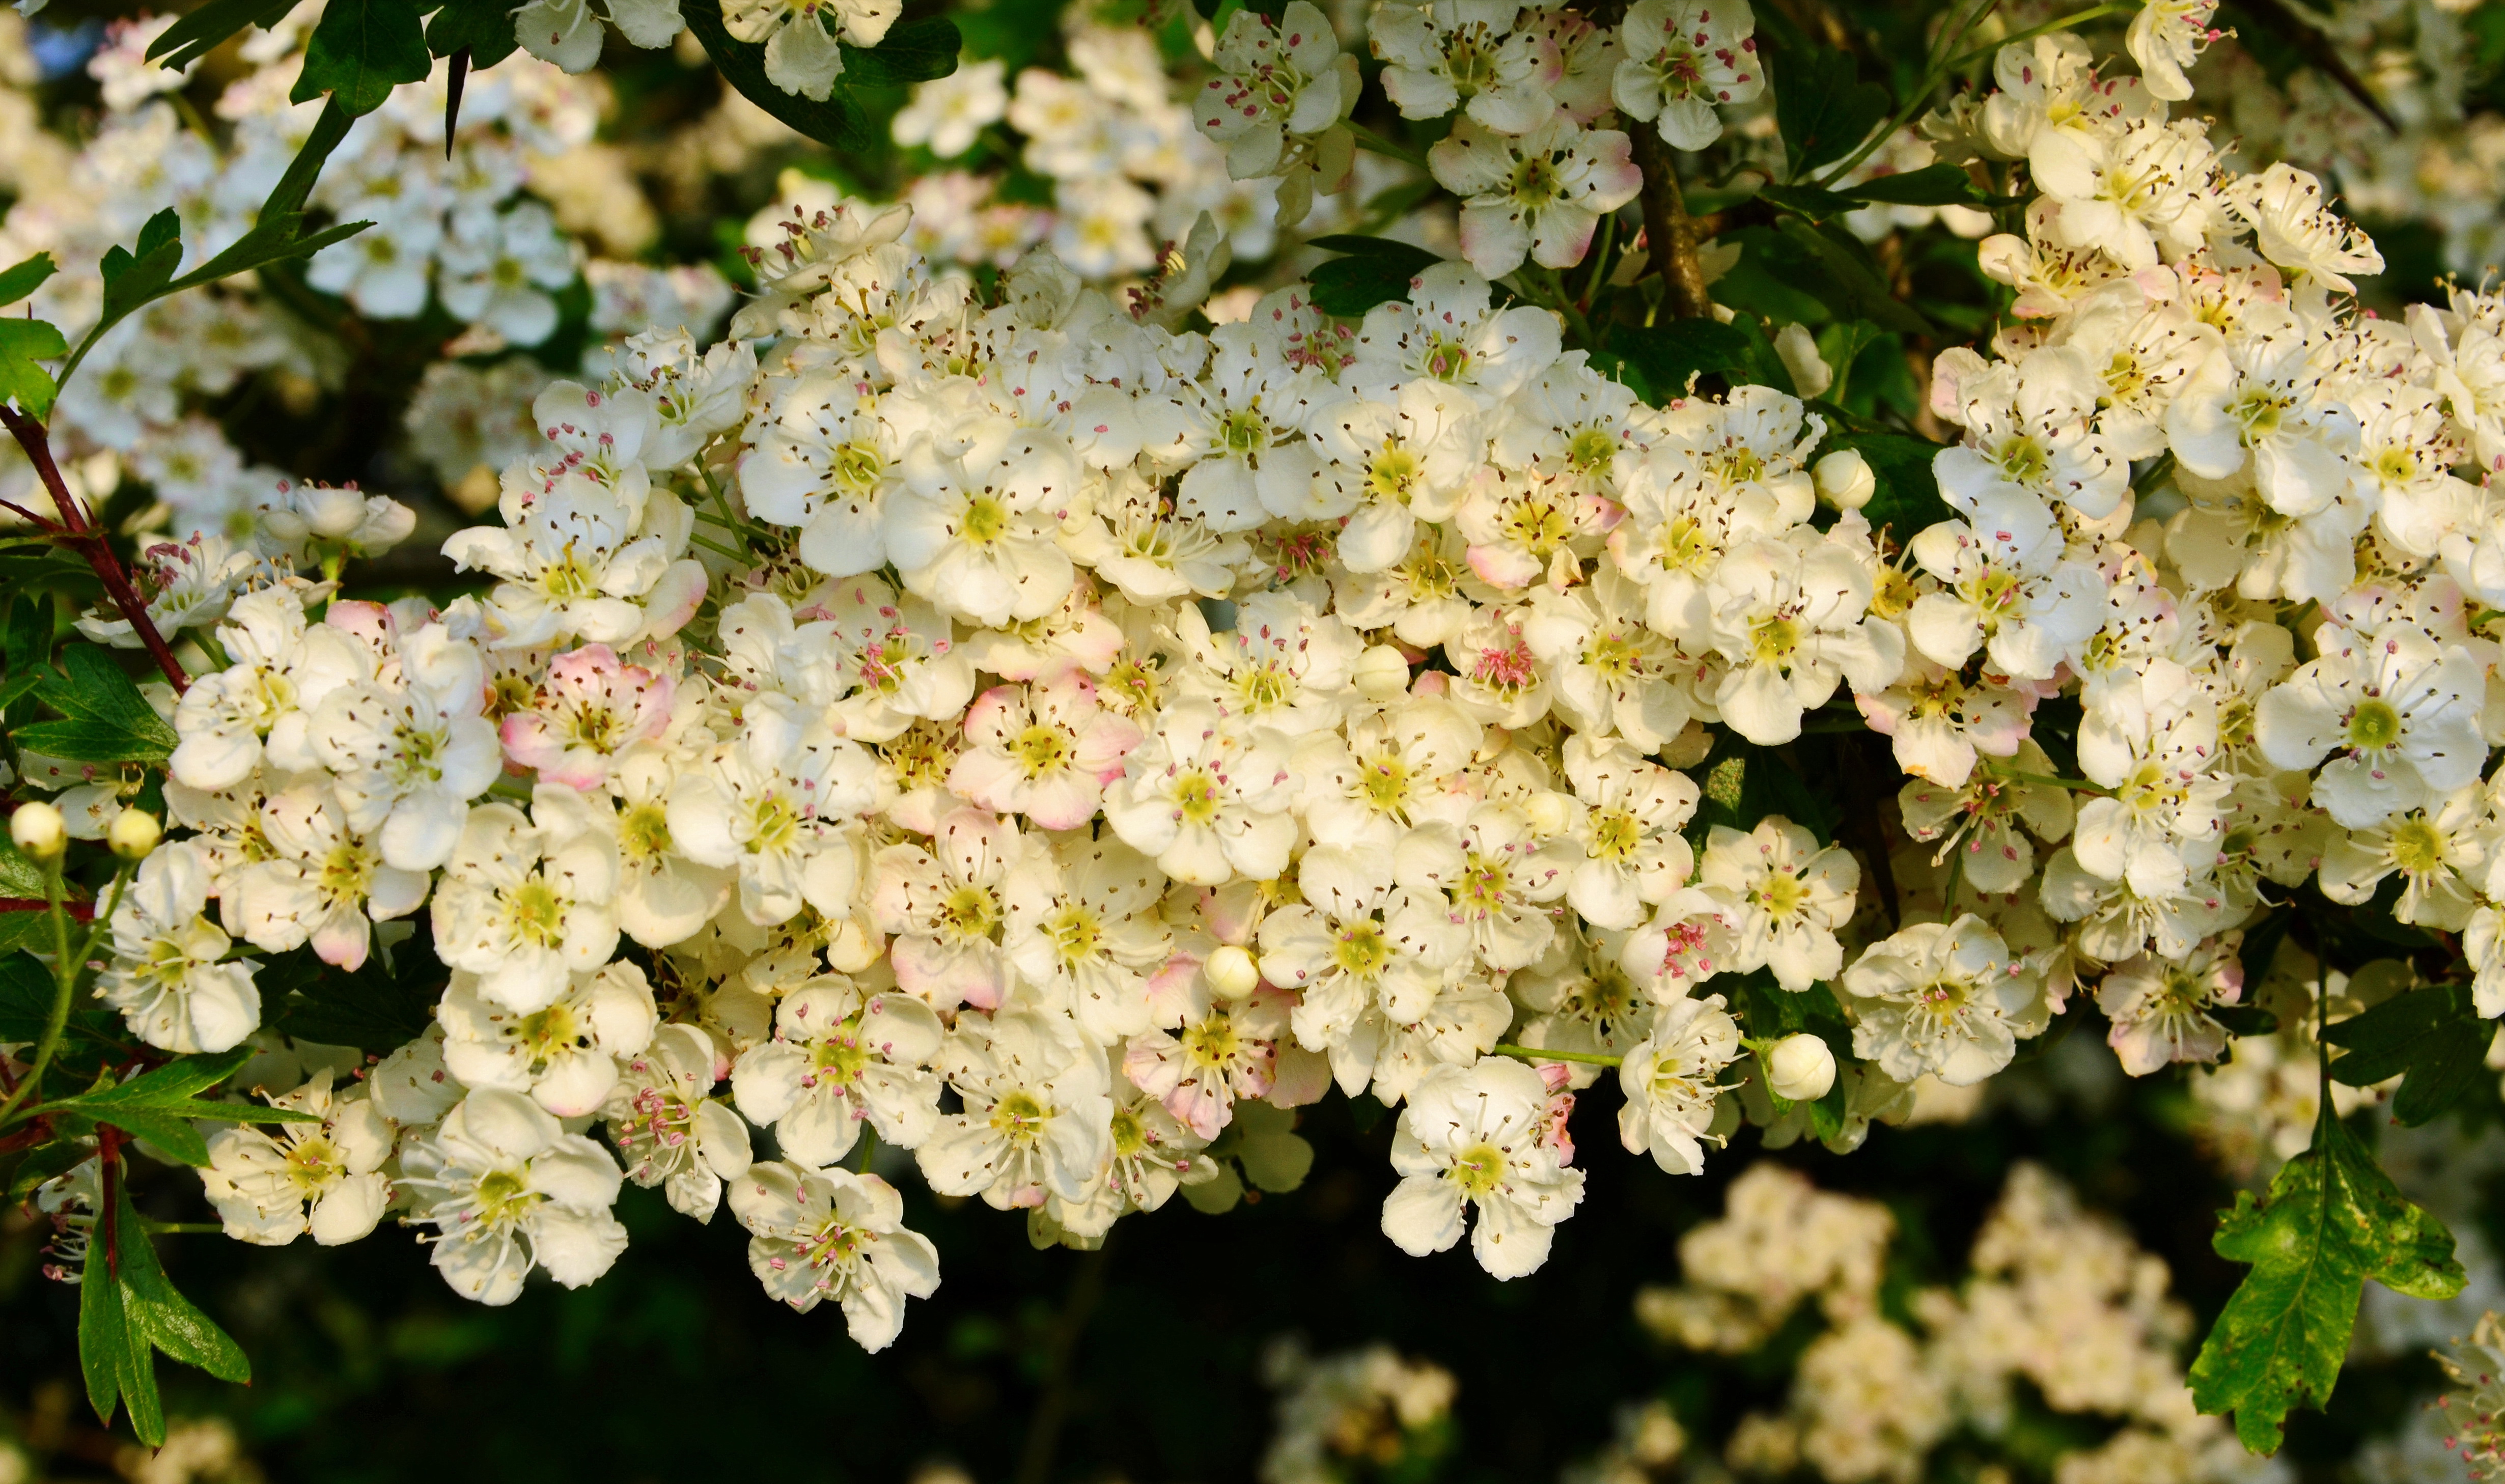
column 484, row 27
column 108, row 720
column 26, row 992
column 25, row 278
column 1810, row 201
column 1848, row 283
column 378, row 1008
column 2332, row 1221
column 167, row 1318
column 27, row 641
column 360, row 51
column 1823, row 107
column 1373, row 271
column 117, row 1361
column 160, row 1105
column 127, row 1312
column 2431, row 1038
column 132, row 276
column 837, row 121
column 1743, row 782
column 22, row 344
column 1940, row 185
column 1668, row 354
column 913, row 51
column 202, row 31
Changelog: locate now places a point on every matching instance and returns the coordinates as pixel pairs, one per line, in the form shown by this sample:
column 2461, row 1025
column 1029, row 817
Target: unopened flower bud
column 1844, row 481
column 1231, row 973
column 1800, row 1067
column 133, row 834
column 1382, row 675
column 1551, row 813
column 39, row 830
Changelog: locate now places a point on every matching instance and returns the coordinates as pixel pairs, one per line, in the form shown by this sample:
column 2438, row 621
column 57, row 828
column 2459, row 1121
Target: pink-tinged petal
column 530, row 741
column 1065, row 800
column 997, row 717
column 1503, row 568
column 343, row 940
column 1107, row 740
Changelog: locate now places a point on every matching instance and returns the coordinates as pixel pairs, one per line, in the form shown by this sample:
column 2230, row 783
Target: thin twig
column 1052, row 1409
column 78, row 531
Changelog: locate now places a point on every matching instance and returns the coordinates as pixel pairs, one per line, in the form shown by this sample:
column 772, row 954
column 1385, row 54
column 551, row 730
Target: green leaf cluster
column 129, row 1313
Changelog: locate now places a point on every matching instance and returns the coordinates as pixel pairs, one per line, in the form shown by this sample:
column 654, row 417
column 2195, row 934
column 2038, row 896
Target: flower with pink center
column 1211, row 1051
column 1045, row 750
column 591, row 708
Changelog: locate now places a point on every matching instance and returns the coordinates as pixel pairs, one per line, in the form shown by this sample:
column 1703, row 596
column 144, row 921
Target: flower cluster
column 2055, row 1297
column 488, row 228
column 1008, row 729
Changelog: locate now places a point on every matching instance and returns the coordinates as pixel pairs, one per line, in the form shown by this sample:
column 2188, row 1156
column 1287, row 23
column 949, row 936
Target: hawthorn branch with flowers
column 1094, row 721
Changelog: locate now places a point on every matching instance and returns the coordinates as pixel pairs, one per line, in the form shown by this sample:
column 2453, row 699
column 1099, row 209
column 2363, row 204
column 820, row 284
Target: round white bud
column 1551, row 813
column 1844, row 481
column 1231, row 973
column 133, row 834
column 1382, row 675
column 1800, row 1067
column 39, row 830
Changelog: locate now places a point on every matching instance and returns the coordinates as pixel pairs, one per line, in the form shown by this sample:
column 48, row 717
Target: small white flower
column 1682, row 61
column 1944, row 999
column 669, row 1128
column 1470, row 1135
column 169, row 975
column 1669, row 1080
column 839, row 1059
column 820, row 1234
column 564, row 1055
column 270, row 1185
column 508, row 1190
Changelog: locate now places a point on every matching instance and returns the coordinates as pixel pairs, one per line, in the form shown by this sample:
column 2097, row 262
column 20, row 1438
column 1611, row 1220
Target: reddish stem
column 79, row 912
column 108, row 1154
column 76, row 529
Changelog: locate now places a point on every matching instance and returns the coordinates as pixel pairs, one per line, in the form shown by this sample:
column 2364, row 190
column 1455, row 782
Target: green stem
column 716, row 548
column 2047, row 780
column 1915, row 102
column 1539, row 1054
column 65, row 970
column 2065, row 22
column 868, row 1149
column 65, row 975
column 1369, row 139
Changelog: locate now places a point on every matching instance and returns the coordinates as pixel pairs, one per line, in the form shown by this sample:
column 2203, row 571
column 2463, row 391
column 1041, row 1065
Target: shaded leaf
column 199, row 32
column 1939, row 185
column 837, row 121
column 1823, row 107
column 1372, row 271
column 378, row 1008
column 482, row 27
column 2431, row 1038
column 25, row 278
column 360, row 51
column 913, row 51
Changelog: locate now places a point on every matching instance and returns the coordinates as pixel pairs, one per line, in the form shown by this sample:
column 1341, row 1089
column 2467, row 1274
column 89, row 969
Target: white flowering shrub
column 1742, row 594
